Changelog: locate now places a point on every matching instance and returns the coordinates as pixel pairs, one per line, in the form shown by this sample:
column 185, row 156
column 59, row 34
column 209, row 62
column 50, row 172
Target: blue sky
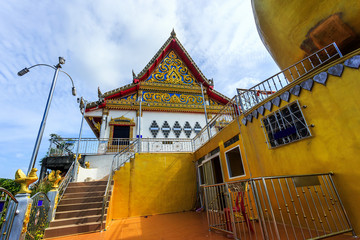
column 102, row 41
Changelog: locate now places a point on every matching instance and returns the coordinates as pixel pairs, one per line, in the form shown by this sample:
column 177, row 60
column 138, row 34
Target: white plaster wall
column 160, row 118
column 170, row 117
column 99, row 167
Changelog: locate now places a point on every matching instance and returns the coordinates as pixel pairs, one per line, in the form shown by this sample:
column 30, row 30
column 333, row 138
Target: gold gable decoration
column 172, row 98
column 122, row 121
column 127, row 99
column 172, row 71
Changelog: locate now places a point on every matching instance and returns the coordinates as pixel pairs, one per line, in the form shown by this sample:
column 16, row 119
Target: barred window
column 285, row 125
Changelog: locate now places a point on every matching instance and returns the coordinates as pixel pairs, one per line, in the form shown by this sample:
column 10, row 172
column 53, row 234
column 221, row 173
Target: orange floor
column 187, row 225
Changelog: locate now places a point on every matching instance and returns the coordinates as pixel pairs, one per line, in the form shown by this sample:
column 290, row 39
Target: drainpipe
column 139, row 126
column 206, row 116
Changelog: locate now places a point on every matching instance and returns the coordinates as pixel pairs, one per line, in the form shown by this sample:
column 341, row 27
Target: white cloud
column 102, row 41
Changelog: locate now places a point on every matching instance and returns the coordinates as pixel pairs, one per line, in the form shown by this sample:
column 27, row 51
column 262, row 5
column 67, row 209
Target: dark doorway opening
column 217, row 170
column 121, row 132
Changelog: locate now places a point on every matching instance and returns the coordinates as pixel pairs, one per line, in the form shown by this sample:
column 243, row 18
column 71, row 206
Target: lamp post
column 82, row 106
column 206, row 116
column 51, row 93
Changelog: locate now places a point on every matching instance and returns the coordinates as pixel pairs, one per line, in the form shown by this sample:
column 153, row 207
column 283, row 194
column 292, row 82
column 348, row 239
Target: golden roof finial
column 99, row 92
column 173, row 34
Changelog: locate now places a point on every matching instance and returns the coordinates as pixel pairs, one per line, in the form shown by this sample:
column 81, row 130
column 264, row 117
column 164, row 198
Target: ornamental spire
column 99, row 93
column 173, row 34
column 133, row 73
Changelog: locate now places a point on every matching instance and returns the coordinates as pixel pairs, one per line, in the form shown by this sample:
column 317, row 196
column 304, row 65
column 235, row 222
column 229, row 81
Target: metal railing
column 110, row 146
column 66, row 180
column 89, row 146
column 118, row 161
column 282, row 207
column 223, row 118
column 165, row 145
column 248, row 98
column 8, row 206
column 38, row 220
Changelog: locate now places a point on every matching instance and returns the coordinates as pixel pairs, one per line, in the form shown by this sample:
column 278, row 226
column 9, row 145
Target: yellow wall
column 154, row 184
column 334, row 109
column 218, row 141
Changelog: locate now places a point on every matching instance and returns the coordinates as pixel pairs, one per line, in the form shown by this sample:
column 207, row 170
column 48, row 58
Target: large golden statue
column 54, row 178
column 24, row 180
column 292, row 30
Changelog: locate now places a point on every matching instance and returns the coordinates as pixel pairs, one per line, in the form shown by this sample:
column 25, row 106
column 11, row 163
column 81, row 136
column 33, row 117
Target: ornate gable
column 172, row 70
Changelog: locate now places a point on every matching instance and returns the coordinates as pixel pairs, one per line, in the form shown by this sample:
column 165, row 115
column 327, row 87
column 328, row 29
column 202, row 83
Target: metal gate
column 8, row 206
column 38, row 219
column 283, row 207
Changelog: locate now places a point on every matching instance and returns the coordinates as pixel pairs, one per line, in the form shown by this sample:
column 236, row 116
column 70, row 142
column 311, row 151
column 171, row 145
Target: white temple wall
column 170, row 117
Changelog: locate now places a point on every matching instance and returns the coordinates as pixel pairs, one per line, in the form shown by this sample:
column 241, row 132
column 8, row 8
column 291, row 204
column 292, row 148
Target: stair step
column 76, row 220
column 71, row 229
column 81, row 184
column 66, row 201
column 95, row 188
column 78, row 213
column 78, row 206
column 83, row 195
column 79, row 210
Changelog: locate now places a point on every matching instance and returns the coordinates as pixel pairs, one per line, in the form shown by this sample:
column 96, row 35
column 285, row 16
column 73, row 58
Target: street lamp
column 82, row 106
column 51, row 93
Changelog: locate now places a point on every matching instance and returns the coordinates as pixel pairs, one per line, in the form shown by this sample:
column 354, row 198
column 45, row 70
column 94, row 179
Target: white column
column 103, row 135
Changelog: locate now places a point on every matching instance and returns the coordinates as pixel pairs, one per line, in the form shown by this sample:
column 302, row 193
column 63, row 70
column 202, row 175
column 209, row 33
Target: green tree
column 10, row 185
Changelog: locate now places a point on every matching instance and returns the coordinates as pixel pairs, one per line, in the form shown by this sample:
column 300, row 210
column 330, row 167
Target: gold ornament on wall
column 26, row 218
column 172, row 98
column 24, row 180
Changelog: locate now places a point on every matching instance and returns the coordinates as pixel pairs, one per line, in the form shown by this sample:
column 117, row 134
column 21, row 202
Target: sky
column 102, row 42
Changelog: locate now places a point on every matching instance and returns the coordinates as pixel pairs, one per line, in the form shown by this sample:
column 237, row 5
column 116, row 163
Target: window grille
column 285, row 125
column 177, row 129
column 154, row 128
column 231, row 141
column 187, row 129
column 197, row 128
column 166, row 129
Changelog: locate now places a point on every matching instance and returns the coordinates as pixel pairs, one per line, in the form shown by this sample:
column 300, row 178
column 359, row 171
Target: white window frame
column 207, row 159
column 227, row 163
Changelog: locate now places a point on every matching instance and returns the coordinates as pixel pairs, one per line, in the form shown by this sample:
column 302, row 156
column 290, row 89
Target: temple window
column 285, row 125
column 166, row 129
column 177, row 129
column 197, row 128
column 187, row 129
column 234, row 162
column 154, row 128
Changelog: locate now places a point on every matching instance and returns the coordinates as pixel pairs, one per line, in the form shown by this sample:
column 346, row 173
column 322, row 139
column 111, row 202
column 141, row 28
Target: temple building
column 167, row 99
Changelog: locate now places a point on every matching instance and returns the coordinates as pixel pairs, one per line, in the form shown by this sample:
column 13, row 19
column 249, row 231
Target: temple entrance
column 120, row 135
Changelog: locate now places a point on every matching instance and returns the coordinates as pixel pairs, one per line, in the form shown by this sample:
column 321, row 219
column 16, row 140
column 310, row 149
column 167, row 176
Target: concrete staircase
column 79, row 211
